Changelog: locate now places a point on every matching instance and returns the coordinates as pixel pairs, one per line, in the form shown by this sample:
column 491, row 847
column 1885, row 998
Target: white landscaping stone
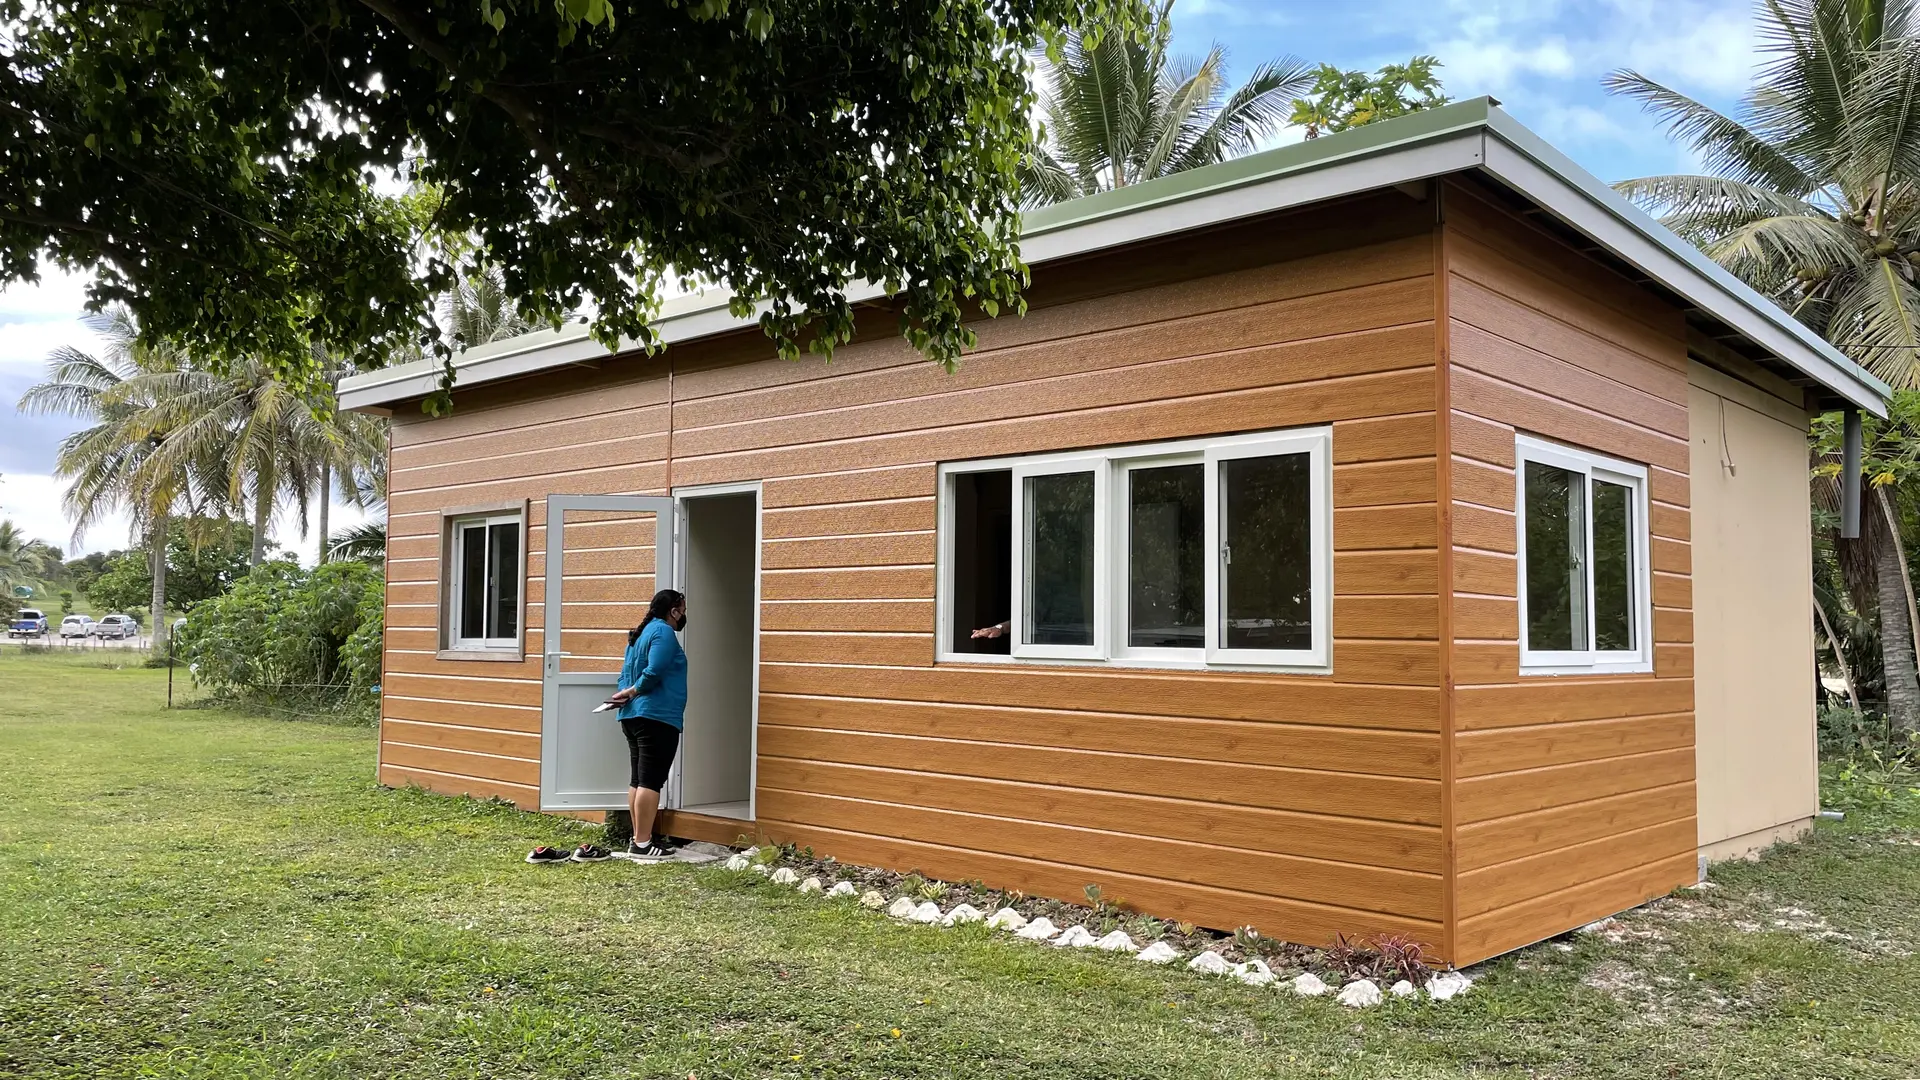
column 1359, row 994
column 1007, row 919
column 1158, row 953
column 751, row 852
column 844, row 888
column 1210, row 963
column 965, row 913
column 901, row 908
column 872, row 899
column 737, row 862
column 1118, row 941
column 1596, row 926
column 1403, row 988
column 1039, row 929
column 1076, row 937
column 928, row 912
column 1448, row 985
column 762, row 869
column 1254, row 972
column 785, row 876
column 1310, row 985
column 812, row 885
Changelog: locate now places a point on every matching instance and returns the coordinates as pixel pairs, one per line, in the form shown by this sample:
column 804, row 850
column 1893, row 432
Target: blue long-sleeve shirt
column 657, row 667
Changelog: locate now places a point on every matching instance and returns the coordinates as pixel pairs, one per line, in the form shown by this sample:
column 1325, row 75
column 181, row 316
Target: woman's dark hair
column 664, row 601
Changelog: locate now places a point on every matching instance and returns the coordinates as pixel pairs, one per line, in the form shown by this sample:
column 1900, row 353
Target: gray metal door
column 583, row 755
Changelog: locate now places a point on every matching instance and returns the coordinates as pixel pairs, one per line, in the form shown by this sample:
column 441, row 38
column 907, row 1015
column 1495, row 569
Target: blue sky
column 1542, row 58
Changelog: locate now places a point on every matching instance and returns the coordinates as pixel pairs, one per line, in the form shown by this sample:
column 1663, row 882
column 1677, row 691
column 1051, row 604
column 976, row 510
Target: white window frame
column 457, row 582
column 1316, row 447
column 1102, row 535
column 1110, row 466
column 1591, row 466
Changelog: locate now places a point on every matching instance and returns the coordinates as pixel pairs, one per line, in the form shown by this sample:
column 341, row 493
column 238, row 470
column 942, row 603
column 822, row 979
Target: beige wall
column 1753, row 648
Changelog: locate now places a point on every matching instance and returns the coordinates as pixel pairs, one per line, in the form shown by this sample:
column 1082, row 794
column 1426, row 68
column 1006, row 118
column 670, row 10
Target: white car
column 116, row 626
column 76, row 626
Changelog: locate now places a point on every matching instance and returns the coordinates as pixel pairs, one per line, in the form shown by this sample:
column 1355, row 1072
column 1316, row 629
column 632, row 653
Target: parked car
column 116, row 626
column 31, row 622
column 76, row 626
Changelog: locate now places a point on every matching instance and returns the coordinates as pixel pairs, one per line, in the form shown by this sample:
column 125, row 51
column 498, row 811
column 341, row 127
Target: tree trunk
column 1896, row 634
column 1900, row 552
column 1833, row 639
column 157, row 564
column 262, row 515
column 326, row 502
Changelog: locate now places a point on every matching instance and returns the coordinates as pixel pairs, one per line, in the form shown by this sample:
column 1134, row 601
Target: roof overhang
column 1468, row 137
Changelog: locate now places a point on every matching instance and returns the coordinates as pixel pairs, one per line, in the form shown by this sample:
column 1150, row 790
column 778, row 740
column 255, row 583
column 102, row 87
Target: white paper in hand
column 606, row 706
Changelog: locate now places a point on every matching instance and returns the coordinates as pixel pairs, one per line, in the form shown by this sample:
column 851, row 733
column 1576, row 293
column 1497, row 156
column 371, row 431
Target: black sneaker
column 667, row 843
column 647, row 852
column 590, row 853
column 544, row 854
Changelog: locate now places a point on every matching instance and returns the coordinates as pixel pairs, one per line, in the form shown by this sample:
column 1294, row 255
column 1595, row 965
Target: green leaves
column 1338, row 100
column 775, row 148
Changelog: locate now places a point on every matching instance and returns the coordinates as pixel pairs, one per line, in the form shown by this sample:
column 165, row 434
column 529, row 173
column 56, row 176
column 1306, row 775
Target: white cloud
column 33, row 503
column 58, row 295
column 27, row 344
column 1695, row 48
column 1497, row 66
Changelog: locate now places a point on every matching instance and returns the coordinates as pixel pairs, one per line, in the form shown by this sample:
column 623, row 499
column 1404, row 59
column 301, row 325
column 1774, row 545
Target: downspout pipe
column 1850, row 476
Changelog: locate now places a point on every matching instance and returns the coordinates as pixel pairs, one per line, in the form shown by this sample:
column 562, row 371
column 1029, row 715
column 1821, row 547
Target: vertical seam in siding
column 1443, row 508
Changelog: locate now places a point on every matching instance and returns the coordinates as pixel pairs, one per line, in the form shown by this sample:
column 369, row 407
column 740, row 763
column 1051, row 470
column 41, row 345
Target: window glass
column 1556, row 580
column 1059, row 559
column 473, row 581
column 1266, row 558
column 982, row 550
column 503, row 580
column 1166, row 574
column 1612, row 567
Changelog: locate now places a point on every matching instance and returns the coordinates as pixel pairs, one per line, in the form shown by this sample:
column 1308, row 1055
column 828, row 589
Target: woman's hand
column 624, row 696
column 993, row 631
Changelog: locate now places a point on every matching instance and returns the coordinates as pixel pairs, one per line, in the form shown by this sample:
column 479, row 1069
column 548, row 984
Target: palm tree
column 24, row 561
column 1122, row 111
column 275, row 442
column 1815, row 194
column 1814, row 200
column 115, row 462
column 479, row 310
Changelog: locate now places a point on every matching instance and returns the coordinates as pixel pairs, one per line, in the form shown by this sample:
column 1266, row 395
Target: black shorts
column 651, row 746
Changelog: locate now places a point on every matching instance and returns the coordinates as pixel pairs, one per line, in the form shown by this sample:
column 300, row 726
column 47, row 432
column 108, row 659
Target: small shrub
column 1401, row 958
column 932, row 890
column 286, row 634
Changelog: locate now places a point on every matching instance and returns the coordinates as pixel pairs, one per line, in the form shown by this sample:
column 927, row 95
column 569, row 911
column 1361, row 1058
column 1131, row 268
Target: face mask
column 682, row 625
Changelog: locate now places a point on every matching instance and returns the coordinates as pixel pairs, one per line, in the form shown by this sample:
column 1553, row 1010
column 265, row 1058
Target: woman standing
column 653, row 705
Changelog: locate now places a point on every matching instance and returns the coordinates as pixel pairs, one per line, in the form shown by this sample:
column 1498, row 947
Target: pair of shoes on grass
column 653, row 850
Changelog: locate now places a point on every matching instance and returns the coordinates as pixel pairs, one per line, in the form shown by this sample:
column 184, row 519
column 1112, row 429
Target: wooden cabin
column 1397, row 533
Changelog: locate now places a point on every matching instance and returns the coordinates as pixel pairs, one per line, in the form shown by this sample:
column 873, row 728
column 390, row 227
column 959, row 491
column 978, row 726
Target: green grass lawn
column 208, row 893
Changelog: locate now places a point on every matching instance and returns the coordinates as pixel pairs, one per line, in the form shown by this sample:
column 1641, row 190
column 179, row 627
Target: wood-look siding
column 1572, row 798
column 1307, row 805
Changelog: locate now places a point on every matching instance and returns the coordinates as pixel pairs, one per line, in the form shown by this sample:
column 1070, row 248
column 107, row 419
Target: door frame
column 670, row 799
column 666, row 565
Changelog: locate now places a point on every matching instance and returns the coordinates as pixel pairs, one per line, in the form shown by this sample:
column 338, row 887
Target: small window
column 484, row 575
column 1172, row 554
column 1583, row 541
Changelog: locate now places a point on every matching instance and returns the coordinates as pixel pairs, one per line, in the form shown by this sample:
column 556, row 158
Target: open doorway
column 721, row 572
